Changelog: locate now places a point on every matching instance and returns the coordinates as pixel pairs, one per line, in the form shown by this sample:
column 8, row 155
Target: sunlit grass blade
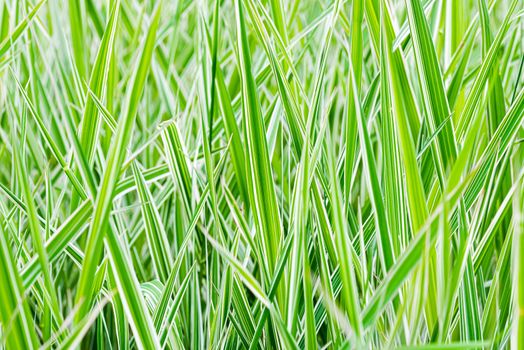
column 18, row 325
column 7, row 42
column 156, row 234
column 103, row 202
column 262, row 193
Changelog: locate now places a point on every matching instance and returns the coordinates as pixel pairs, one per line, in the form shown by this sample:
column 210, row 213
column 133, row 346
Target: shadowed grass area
column 249, row 174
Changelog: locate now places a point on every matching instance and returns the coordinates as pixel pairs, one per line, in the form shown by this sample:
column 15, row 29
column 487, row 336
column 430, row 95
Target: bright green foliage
column 247, row 174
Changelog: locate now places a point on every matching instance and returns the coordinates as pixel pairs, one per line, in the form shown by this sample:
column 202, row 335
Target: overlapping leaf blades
column 261, row 174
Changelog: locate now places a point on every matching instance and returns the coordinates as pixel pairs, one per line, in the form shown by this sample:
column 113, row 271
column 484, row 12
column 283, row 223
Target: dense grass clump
column 261, row 174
